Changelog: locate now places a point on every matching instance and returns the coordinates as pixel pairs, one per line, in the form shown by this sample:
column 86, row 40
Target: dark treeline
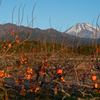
column 29, row 46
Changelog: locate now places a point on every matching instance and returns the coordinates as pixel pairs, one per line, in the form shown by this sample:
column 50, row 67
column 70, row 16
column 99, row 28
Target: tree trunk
column 5, row 94
column 55, row 91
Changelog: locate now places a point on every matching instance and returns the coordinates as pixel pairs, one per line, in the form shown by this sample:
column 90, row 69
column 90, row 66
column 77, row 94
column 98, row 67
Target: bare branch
column 12, row 15
column 0, row 2
column 22, row 14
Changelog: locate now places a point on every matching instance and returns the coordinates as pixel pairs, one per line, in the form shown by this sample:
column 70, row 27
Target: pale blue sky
column 64, row 13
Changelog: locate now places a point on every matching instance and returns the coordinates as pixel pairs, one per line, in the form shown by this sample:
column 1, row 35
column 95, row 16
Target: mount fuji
column 83, row 30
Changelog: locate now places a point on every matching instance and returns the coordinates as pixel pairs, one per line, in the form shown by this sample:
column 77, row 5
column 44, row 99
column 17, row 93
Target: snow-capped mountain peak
column 83, row 30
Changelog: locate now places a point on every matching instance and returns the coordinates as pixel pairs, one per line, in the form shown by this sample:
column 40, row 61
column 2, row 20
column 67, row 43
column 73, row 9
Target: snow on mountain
column 83, row 30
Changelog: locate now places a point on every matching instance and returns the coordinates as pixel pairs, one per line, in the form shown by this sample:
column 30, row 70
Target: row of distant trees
column 28, row 46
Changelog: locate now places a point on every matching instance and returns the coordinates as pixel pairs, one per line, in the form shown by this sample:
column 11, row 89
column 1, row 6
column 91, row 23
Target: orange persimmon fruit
column 93, row 77
column 96, row 85
column 12, row 31
column 59, row 71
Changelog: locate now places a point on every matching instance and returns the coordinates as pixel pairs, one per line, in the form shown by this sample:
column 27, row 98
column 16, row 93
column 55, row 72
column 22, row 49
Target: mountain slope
column 48, row 35
column 83, row 30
